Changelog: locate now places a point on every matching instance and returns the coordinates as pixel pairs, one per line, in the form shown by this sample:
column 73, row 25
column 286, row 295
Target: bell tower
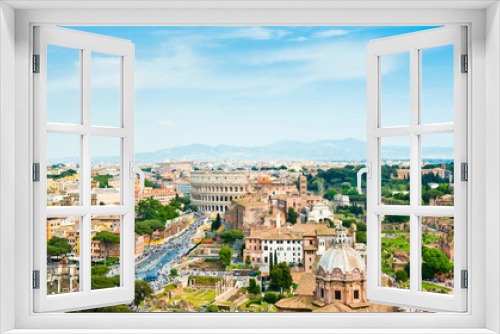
column 302, row 186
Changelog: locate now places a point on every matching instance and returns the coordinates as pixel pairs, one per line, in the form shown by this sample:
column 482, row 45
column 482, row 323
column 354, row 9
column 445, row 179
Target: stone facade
column 249, row 211
column 341, row 277
column 214, row 190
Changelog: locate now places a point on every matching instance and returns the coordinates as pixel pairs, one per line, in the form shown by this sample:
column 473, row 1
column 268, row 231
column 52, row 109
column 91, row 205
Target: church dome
column 343, row 257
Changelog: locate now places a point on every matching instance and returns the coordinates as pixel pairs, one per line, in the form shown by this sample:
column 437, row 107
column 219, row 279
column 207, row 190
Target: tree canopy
column 436, row 262
column 150, row 208
column 292, row 216
column 230, row 236
column 253, row 287
column 58, row 246
column 212, row 308
column 281, row 278
column 216, row 223
column 401, row 275
column 107, row 238
column 142, row 291
column 226, row 255
column 148, row 226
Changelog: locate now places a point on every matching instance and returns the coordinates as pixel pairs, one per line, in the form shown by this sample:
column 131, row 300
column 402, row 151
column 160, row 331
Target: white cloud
column 330, row 33
column 166, row 122
column 257, row 33
column 258, row 73
column 298, row 39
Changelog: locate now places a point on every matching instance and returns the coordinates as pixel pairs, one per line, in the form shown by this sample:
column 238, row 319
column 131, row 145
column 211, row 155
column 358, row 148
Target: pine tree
column 271, row 263
column 275, row 257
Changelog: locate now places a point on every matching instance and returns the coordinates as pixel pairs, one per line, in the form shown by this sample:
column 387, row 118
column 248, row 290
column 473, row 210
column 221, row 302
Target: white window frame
column 86, row 43
column 483, row 20
column 413, row 43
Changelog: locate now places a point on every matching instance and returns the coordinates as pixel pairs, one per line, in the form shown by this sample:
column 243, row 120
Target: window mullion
column 85, row 176
column 414, row 167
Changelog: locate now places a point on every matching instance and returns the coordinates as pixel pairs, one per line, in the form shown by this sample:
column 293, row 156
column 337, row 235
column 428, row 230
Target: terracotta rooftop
column 307, row 284
column 302, row 303
column 325, row 231
column 308, row 227
column 249, row 203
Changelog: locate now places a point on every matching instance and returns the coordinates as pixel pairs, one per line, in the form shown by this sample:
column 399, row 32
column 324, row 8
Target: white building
column 319, row 212
column 287, row 245
column 288, row 248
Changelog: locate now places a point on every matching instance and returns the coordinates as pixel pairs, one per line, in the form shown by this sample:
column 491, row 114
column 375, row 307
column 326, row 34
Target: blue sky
column 249, row 85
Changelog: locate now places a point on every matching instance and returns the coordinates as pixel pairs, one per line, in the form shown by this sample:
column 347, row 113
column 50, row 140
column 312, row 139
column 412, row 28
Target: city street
column 162, row 257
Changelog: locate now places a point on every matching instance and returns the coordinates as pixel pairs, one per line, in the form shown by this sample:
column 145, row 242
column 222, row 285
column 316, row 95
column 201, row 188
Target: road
column 159, row 260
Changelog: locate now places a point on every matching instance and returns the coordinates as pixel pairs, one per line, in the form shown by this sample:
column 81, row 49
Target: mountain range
column 349, row 150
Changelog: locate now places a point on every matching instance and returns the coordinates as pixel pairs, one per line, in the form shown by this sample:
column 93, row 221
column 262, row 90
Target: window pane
column 63, row 255
column 437, row 169
column 105, row 171
column 395, row 250
column 437, row 254
column 105, row 89
column 395, row 89
column 395, row 171
column 437, row 84
column 63, row 85
column 105, row 251
column 63, row 166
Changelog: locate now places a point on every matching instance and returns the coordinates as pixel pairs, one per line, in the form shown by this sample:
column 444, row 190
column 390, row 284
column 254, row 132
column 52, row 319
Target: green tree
column 103, row 282
column 107, row 238
column 330, row 194
column 275, row 257
column 353, row 192
column 271, row 262
column 216, row 223
column 247, row 260
column 148, row 208
column 109, row 309
column 253, row 287
column 99, row 270
column 401, row 275
column 173, row 272
column 230, row 236
column 226, row 255
column 395, row 219
column 281, row 278
column 58, row 246
column 292, row 216
column 437, row 261
column 407, row 269
column 142, row 291
column 212, row 308
column 270, row 298
column 431, row 194
column 345, row 185
column 149, row 184
column 348, row 222
column 148, row 227
column 319, row 184
column 361, row 237
column 142, row 228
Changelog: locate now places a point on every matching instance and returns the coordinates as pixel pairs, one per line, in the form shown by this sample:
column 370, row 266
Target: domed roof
column 343, row 257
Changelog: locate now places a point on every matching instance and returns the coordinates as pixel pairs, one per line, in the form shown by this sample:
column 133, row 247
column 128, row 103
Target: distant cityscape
column 342, row 150
column 286, row 236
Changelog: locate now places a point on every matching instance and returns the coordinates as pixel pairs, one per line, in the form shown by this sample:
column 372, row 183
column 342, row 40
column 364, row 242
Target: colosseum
column 214, row 190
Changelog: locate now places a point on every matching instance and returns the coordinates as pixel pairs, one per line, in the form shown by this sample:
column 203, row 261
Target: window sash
column 413, row 43
column 85, row 297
